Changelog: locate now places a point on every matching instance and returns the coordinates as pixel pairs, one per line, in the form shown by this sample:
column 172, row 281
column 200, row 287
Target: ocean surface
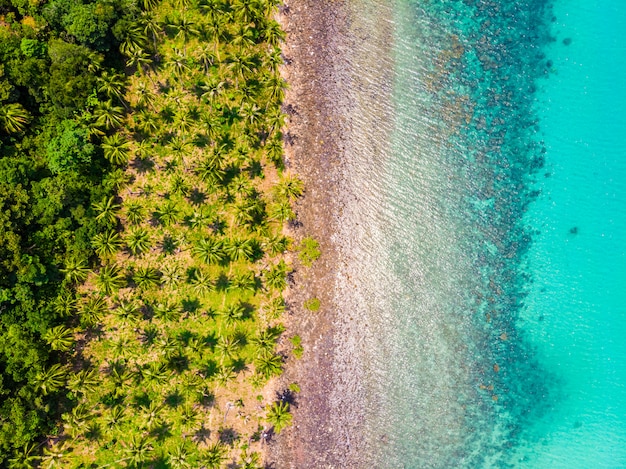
column 484, row 243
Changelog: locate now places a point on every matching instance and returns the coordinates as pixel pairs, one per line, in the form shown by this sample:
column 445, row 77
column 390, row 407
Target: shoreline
column 315, row 155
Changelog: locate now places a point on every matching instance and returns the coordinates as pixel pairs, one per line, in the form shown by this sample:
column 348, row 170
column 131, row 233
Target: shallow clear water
column 485, row 237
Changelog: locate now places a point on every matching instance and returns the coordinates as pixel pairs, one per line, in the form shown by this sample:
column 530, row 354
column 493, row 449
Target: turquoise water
column 488, row 234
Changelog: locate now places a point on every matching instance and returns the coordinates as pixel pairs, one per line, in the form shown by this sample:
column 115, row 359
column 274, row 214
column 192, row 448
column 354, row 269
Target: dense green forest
column 142, row 207
column 55, row 59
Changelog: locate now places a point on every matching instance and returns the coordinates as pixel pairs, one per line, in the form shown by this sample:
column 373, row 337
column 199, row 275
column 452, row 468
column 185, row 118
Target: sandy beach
column 315, row 154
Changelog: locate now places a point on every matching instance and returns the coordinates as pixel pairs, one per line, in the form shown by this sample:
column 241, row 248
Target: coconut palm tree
column 50, row 379
column 214, row 456
column 167, row 213
column 226, row 347
column 64, row 303
column 106, row 244
column 231, row 314
column 171, row 274
column 138, row 240
column 110, row 279
column 112, row 84
column 178, row 458
column 184, row 27
column 135, row 39
column 55, row 456
column 276, row 276
column 116, row 149
column 107, row 115
column 147, row 277
column 178, row 62
column 279, row 416
column 202, row 282
column 115, row 416
column 268, row 364
column 84, row 381
column 266, row 340
column 59, row 338
column 107, row 211
column 24, row 457
column 209, row 250
column 289, row 187
column 138, row 449
column 239, row 249
column 13, row 118
column 92, row 310
column 273, row 33
column 76, row 269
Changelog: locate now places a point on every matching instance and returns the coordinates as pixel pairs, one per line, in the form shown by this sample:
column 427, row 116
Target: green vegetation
column 309, row 251
column 312, row 304
column 298, row 350
column 141, row 220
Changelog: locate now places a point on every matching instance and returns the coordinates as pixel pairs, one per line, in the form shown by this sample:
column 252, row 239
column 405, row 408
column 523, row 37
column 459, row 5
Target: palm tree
column 13, row 118
column 240, row 249
column 184, row 27
column 107, row 115
column 171, row 274
column 279, row 416
column 268, row 364
column 139, row 59
column 110, row 279
column 64, row 303
column 150, row 26
column 167, row 213
column 51, row 379
column 116, row 149
column 214, row 456
column 224, row 375
column 138, row 240
column 54, row 457
column 147, row 277
column 274, row 308
column 178, row 458
column 266, row 340
column 128, row 311
column 276, row 276
column 24, row 457
column 93, row 310
column 209, row 250
column 76, row 269
column 107, row 243
column 59, row 338
column 282, row 211
column 276, row 244
column 232, row 313
column 167, row 311
column 106, row 211
column 289, row 187
column 178, row 63
column 135, row 212
column 226, row 347
column 273, row 33
column 115, row 416
column 210, row 169
column 245, row 281
column 135, row 39
column 112, row 84
column 85, row 381
column 138, row 450
column 202, row 281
